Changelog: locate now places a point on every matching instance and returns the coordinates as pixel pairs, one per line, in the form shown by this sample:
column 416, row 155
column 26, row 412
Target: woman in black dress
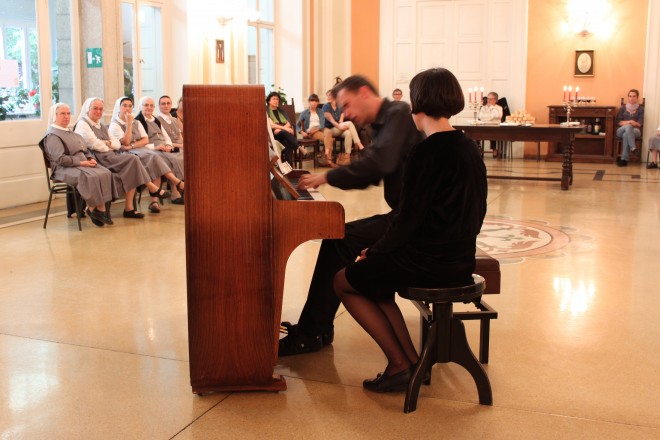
column 432, row 240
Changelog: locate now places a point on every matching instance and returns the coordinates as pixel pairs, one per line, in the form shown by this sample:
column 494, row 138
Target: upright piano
column 239, row 236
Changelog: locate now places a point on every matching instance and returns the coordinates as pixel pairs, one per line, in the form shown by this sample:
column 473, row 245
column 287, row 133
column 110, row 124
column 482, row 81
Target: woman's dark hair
column 353, row 83
column 164, row 96
column 437, row 93
column 313, row 97
column 126, row 98
column 635, row 91
column 270, row 95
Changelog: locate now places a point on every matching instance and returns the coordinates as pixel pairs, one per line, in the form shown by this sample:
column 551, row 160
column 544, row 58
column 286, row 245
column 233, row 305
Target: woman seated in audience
column 336, row 126
column 282, row 127
column 128, row 171
column 311, row 122
column 629, row 121
column 431, row 242
column 135, row 140
column 73, row 163
column 168, row 122
column 162, row 144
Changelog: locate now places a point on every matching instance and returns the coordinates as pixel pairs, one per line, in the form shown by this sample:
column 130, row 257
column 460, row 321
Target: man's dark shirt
column 394, row 134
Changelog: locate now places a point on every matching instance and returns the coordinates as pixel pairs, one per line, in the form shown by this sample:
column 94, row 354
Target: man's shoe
column 298, row 343
column 622, row 163
column 652, row 165
column 326, row 337
column 635, row 152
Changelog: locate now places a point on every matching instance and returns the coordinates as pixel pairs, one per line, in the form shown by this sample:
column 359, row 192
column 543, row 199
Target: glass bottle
column 597, row 126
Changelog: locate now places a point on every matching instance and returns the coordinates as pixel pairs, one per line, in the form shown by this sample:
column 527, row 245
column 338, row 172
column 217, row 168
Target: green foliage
column 12, row 101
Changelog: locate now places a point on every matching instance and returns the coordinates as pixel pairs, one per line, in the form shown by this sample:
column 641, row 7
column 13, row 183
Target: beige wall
column 365, row 30
column 619, row 53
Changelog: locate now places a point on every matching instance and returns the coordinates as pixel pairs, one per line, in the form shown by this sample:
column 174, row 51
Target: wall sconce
column 586, row 17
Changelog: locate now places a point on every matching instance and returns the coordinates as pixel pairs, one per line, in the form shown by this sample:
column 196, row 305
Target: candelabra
column 475, row 106
column 568, row 106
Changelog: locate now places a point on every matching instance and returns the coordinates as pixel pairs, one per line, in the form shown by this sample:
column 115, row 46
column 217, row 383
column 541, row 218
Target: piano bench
column 444, row 338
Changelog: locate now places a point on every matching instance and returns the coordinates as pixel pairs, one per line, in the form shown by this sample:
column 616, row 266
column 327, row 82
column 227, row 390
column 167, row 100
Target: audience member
column 168, row 122
column 162, row 144
column 72, row 163
column 629, row 121
column 311, row 122
column 394, row 134
column 397, row 94
column 336, row 126
column 135, row 140
column 179, row 114
column 281, row 126
column 128, row 171
column 431, row 242
column 491, row 113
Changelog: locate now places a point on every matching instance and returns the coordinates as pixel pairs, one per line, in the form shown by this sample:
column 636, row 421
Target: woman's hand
column 91, row 163
column 363, row 255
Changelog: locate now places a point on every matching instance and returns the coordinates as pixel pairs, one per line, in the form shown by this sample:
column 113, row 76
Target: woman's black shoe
column 106, row 218
column 96, row 217
column 385, row 383
column 133, row 214
column 161, row 194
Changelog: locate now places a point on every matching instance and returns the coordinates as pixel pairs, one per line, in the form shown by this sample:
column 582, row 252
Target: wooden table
column 534, row 133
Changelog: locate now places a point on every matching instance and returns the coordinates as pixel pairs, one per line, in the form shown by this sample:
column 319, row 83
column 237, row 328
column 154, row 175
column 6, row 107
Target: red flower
column 33, row 92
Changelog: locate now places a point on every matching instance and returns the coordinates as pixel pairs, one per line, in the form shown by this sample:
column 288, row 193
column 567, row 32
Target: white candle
column 565, row 88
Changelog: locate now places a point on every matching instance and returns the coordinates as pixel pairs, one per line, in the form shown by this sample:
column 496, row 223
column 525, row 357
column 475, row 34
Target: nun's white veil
column 117, row 109
column 53, row 112
column 85, row 107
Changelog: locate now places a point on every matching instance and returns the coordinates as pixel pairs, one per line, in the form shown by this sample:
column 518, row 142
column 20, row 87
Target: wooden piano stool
column 445, row 339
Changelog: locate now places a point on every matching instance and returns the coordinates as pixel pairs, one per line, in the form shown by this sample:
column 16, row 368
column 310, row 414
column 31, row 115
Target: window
column 19, row 58
column 261, row 44
column 142, row 41
column 62, row 66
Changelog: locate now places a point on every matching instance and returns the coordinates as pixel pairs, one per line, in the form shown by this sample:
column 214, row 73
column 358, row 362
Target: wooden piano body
column 238, row 240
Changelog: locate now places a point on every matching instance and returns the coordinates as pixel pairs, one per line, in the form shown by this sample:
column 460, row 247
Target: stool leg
column 424, row 364
column 484, row 340
column 462, row 355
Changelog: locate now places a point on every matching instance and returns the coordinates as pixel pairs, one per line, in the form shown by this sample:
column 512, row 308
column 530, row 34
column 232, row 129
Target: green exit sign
column 94, row 57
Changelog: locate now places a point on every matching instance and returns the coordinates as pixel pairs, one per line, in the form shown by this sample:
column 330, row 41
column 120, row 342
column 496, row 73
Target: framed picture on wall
column 584, row 63
column 219, row 51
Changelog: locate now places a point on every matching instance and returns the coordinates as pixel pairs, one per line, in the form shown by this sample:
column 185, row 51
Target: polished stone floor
column 93, row 328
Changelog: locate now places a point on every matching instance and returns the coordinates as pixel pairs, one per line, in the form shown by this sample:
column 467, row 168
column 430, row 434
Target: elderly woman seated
column 135, row 140
column 127, row 169
column 158, row 137
column 73, row 163
column 168, row 122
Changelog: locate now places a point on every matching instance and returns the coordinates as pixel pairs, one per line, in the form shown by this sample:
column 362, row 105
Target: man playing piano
column 394, row 133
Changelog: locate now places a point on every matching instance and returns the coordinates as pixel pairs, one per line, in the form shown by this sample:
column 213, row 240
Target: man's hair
column 313, row 97
column 495, row 95
column 353, row 83
column 437, row 93
column 397, row 91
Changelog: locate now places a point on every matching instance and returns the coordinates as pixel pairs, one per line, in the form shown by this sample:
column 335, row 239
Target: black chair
column 444, row 337
column 57, row 187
